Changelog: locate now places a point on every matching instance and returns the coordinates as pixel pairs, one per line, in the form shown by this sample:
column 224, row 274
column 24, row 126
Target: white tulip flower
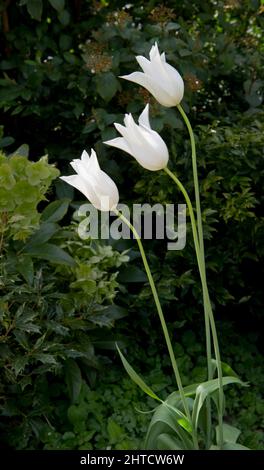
column 140, row 141
column 94, row 183
column 159, row 78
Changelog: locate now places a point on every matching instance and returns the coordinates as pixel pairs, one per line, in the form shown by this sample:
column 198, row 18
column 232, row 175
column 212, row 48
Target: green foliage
column 56, row 309
column 23, row 185
column 60, row 92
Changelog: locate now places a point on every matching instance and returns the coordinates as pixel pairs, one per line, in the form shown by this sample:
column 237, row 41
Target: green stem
column 208, row 307
column 201, row 244
column 162, row 320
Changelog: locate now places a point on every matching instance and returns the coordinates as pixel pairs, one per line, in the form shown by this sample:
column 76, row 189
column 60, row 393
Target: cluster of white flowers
column 139, row 140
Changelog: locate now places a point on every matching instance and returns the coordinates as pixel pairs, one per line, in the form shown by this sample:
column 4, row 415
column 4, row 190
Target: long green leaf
column 135, row 377
column 204, row 390
column 230, row 433
column 168, row 442
column 165, row 421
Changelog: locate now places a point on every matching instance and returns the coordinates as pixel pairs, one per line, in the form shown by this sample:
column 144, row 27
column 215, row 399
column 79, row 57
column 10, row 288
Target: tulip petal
column 154, row 52
column 120, row 143
column 85, row 157
column 93, row 162
column 106, row 192
column 144, row 117
column 163, row 57
column 137, row 77
column 145, row 64
column 77, row 183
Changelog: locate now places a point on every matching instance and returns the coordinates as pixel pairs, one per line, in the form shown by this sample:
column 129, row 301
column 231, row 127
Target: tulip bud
column 140, row 141
column 94, row 183
column 159, row 78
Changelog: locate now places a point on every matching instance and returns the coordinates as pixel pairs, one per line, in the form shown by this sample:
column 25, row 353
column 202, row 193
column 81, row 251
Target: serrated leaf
column 45, row 358
column 19, row 364
column 26, row 268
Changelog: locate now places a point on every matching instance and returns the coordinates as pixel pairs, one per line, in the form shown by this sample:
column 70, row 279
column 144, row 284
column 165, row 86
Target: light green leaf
column 135, row 377
column 115, row 432
column 230, row 433
column 234, row 446
column 166, row 421
column 227, row 370
column 22, row 151
column 168, row 442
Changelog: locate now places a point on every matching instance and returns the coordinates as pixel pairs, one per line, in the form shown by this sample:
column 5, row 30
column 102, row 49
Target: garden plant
column 180, row 90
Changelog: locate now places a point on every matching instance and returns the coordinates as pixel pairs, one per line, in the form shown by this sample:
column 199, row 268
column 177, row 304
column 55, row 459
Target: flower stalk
column 162, row 320
column 207, row 302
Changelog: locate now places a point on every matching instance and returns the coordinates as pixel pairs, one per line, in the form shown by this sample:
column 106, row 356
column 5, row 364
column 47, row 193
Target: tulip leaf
column 206, row 389
column 230, row 433
column 168, row 442
column 168, row 420
column 135, row 377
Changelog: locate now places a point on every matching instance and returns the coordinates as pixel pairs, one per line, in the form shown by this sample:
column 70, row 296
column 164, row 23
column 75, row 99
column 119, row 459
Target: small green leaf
column 22, row 151
column 25, row 268
column 106, row 85
column 114, row 430
column 64, row 17
column 227, row 370
column 57, row 4
column 34, row 8
column 55, row 211
column 135, row 377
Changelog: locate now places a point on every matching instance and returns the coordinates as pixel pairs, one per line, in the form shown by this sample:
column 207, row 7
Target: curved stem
column 201, row 244
column 162, row 320
column 207, row 302
column 195, row 180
